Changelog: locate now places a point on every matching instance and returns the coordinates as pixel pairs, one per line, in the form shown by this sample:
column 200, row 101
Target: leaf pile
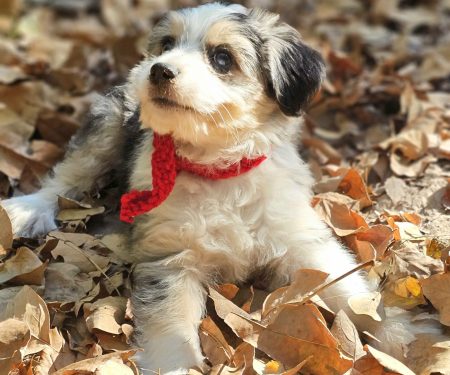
column 377, row 138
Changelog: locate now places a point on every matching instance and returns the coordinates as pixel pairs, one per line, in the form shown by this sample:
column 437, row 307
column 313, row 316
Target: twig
column 319, row 288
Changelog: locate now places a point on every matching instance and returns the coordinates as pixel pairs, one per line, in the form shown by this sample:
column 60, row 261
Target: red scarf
column 165, row 166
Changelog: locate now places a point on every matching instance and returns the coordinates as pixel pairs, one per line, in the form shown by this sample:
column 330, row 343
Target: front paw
column 171, row 362
column 31, row 215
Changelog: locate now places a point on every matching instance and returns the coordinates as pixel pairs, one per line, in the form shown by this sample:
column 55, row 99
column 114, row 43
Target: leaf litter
column 377, row 139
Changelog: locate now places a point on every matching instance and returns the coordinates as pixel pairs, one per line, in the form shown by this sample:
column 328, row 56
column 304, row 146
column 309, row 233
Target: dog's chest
column 244, row 221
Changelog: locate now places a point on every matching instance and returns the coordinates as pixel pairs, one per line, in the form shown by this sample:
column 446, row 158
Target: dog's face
column 215, row 73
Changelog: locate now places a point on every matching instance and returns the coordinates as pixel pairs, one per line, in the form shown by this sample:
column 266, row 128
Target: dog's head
column 216, row 73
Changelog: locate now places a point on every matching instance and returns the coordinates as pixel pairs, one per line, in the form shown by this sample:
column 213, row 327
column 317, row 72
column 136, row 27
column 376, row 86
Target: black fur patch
column 299, row 78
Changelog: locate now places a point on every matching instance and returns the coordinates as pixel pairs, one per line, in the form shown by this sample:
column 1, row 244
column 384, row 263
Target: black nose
column 160, row 73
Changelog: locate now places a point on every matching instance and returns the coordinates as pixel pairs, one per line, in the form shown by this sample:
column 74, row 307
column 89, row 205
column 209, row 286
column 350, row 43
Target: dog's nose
column 160, row 73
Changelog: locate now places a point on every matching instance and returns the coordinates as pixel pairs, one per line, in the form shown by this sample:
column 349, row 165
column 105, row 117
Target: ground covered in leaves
column 378, row 141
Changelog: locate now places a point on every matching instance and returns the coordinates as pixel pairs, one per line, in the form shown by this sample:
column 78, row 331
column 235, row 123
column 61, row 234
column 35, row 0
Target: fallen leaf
column 389, row 362
column 107, row 364
column 106, row 314
column 366, row 304
column 223, row 306
column 298, row 332
column 429, row 354
column 437, row 289
column 64, row 283
column 22, row 263
column 346, row 333
column 6, row 235
column 27, row 306
column 343, row 220
column 303, row 282
column 73, row 210
column 14, row 335
column 396, row 189
column 214, row 344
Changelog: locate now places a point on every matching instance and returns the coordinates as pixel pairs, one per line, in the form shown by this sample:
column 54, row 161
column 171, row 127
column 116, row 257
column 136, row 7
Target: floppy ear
column 294, row 70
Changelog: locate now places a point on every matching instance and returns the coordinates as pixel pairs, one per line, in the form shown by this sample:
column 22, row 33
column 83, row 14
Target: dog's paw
column 31, row 215
column 170, row 365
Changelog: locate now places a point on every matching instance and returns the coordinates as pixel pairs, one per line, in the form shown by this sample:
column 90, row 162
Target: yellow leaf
column 272, row 367
column 435, row 248
column 413, row 286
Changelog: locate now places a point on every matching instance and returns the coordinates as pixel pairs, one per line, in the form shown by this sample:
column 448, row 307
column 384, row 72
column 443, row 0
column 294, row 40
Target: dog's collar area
column 165, row 166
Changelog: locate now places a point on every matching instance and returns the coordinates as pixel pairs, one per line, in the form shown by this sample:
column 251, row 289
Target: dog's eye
column 222, row 60
column 167, row 43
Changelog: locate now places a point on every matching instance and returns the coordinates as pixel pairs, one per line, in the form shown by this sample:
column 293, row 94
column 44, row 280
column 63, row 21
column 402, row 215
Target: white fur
column 31, row 215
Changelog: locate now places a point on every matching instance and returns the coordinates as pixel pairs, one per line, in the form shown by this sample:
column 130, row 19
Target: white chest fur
column 237, row 224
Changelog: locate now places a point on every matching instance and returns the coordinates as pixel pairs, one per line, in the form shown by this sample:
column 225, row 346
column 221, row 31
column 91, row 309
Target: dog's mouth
column 167, row 103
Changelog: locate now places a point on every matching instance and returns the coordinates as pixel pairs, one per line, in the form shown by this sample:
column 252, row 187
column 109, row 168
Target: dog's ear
column 294, row 71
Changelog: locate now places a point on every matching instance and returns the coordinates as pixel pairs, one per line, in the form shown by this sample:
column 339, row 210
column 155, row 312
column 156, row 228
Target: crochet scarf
column 165, row 166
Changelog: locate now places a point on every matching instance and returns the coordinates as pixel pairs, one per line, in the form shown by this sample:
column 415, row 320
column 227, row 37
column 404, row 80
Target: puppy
column 205, row 133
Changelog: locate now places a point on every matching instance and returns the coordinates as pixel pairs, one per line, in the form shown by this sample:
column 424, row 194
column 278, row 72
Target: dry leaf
column 108, row 364
column 64, row 283
column 343, row 220
column 367, row 304
column 20, row 268
column 437, row 289
column 304, row 281
column 429, row 354
column 6, row 235
column 106, row 314
column 14, row 335
column 297, row 333
column 389, row 362
column 346, row 333
column 214, row 344
column 27, row 306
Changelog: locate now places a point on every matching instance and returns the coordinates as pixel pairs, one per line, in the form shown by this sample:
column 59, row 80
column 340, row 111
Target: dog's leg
column 168, row 304
column 315, row 247
column 91, row 155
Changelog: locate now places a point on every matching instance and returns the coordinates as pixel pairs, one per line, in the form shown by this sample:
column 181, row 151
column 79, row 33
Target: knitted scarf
column 165, row 166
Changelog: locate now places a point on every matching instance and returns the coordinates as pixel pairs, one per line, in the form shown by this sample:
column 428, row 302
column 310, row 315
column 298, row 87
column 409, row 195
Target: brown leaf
column 19, row 268
column 429, row 354
column 243, row 358
column 106, row 314
column 371, row 243
column 353, row 185
column 366, row 304
column 224, row 306
column 214, row 344
column 85, row 260
column 437, row 289
column 30, row 308
column 410, row 260
column 14, row 335
column 229, row 291
column 64, row 283
column 108, row 364
column 346, row 333
column 389, row 362
column 73, row 210
column 304, row 281
column 298, row 332
column 6, row 235
column 55, row 356
column 343, row 220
